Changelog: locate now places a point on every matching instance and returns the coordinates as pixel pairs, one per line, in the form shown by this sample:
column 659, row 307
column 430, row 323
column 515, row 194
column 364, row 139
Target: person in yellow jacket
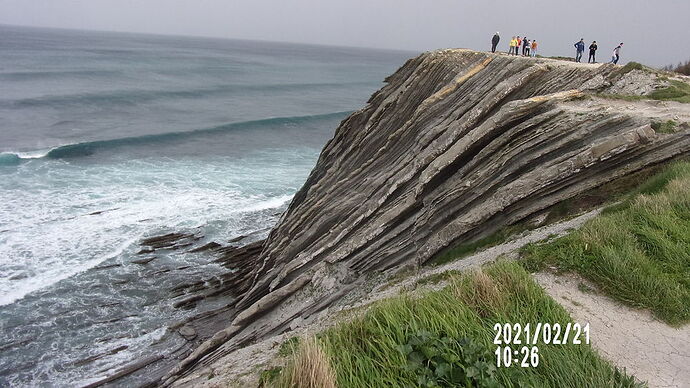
column 513, row 46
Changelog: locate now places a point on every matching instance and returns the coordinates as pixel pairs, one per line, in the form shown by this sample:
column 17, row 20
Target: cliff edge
column 457, row 145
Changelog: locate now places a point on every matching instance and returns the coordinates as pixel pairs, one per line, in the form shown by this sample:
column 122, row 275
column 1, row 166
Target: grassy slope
column 638, row 251
column 372, row 351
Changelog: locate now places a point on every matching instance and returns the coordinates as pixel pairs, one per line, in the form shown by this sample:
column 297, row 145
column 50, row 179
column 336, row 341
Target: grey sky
column 654, row 32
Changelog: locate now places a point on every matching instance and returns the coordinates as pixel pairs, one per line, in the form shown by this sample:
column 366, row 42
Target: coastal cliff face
column 456, row 146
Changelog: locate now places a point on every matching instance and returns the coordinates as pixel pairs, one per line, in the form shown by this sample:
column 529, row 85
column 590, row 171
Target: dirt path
column 629, row 338
column 242, row 368
column 653, row 109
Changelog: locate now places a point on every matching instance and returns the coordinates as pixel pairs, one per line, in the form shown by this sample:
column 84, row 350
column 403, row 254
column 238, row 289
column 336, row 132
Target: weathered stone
column 457, row 145
column 187, row 332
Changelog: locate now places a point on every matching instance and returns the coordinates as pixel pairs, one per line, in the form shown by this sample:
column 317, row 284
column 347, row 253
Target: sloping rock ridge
column 457, row 145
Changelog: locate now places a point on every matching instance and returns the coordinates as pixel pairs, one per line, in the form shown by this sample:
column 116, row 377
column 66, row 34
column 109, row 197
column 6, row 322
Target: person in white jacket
column 616, row 54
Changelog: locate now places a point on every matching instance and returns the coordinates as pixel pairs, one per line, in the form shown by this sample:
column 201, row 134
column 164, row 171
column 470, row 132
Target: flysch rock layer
column 457, row 145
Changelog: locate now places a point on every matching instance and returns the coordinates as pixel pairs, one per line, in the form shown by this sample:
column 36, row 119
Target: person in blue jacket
column 580, row 46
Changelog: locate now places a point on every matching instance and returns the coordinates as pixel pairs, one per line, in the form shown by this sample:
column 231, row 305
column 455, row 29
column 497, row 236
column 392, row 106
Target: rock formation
column 455, row 146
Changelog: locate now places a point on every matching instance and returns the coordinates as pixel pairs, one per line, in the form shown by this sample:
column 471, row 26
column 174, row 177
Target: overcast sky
column 655, row 32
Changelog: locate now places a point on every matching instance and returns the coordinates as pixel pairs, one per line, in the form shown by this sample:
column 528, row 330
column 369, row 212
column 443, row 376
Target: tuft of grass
column 445, row 338
column 637, row 252
column 438, row 277
column 677, row 91
column 652, row 185
column 288, row 347
column 310, row 367
column 269, row 376
column 399, row 276
column 585, row 288
column 630, row 66
column 669, row 126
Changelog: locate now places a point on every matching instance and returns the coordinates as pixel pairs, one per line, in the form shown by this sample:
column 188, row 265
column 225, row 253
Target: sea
column 110, row 138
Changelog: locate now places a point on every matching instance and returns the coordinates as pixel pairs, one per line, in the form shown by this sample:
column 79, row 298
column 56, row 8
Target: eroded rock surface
column 456, row 146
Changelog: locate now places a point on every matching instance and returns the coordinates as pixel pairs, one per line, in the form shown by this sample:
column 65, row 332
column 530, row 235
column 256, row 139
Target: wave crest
column 89, row 148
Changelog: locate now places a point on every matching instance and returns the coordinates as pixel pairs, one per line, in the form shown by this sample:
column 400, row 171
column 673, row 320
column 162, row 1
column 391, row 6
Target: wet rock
column 187, row 332
column 144, row 261
column 238, row 238
column 170, row 241
column 99, row 356
column 19, row 276
column 103, row 211
column 210, row 246
column 106, row 267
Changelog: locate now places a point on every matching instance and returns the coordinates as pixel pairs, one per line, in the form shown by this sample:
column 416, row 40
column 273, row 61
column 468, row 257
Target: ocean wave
column 91, row 147
column 133, row 97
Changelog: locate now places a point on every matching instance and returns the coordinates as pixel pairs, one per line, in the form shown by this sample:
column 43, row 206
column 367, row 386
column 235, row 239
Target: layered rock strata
column 457, row 145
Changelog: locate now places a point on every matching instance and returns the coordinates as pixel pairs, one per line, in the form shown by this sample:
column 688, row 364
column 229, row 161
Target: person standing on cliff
column 525, row 46
column 616, row 54
column 534, row 48
column 494, row 42
column 593, row 52
column 512, row 45
column 580, row 46
column 517, row 46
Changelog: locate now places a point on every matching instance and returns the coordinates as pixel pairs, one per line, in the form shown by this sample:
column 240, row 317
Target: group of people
column 526, row 47
column 580, row 49
column 517, row 44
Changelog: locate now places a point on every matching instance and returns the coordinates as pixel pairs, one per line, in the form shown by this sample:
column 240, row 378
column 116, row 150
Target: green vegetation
column 630, row 66
column 438, row 278
column 288, row 347
column 638, row 251
column 269, row 376
column 446, row 362
column 445, row 338
column 665, row 127
column 399, row 276
column 466, row 249
column 677, row 91
column 309, row 367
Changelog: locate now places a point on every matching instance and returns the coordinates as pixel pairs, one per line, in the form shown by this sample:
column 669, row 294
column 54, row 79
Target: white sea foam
column 64, row 220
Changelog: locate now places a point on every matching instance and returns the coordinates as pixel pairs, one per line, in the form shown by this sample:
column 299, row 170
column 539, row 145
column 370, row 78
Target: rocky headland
column 456, row 146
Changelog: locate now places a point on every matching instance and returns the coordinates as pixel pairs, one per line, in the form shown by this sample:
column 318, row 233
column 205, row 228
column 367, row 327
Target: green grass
column 438, row 277
column 453, row 328
column 638, row 251
column 630, row 66
column 466, row 249
column 268, row 376
column 677, row 91
column 288, row 347
column 669, row 126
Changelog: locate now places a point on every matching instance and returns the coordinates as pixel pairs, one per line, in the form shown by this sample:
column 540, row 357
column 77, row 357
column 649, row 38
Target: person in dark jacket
column 580, row 46
column 525, row 42
column 593, row 52
column 494, row 42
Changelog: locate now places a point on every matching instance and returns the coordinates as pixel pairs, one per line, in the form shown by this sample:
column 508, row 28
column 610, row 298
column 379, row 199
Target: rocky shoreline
column 456, row 146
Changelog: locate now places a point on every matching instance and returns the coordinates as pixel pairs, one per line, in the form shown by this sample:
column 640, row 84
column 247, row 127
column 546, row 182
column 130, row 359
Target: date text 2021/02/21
column 509, row 335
